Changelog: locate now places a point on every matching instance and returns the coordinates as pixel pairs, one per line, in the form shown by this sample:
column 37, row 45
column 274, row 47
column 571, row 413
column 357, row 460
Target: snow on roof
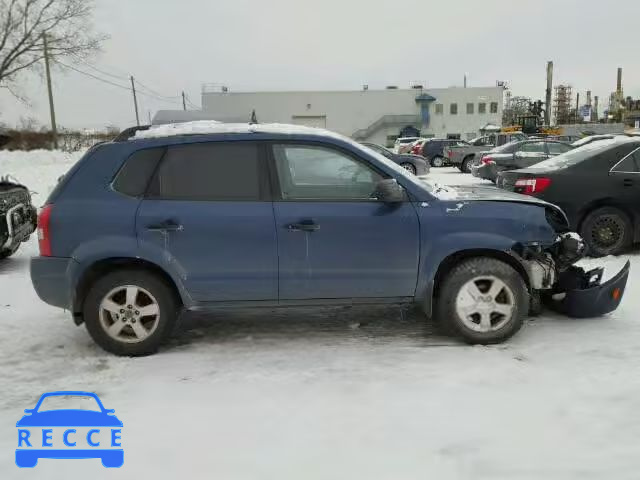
column 202, row 127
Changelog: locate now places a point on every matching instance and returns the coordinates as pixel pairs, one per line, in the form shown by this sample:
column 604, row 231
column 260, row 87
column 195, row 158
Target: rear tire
column 466, row 164
column 131, row 324
column 437, row 162
column 606, row 231
column 409, row 167
column 483, row 300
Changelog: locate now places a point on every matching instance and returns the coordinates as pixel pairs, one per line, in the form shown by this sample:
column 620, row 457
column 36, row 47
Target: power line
column 108, row 82
column 93, row 67
column 153, row 92
column 190, row 103
column 150, row 91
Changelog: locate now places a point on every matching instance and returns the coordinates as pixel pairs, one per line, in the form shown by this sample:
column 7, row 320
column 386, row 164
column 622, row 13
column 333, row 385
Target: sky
column 171, row 46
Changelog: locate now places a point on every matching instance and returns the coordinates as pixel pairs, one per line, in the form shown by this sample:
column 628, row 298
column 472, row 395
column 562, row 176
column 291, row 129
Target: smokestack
column 619, row 89
column 547, row 107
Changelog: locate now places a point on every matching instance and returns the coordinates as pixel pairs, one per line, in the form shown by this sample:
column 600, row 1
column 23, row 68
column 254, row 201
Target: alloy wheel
column 485, row 304
column 129, row 314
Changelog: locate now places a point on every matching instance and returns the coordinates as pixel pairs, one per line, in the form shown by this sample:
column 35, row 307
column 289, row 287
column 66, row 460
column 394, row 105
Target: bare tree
column 23, row 23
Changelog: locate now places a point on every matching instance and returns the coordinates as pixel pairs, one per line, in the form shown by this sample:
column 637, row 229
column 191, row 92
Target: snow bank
column 39, row 170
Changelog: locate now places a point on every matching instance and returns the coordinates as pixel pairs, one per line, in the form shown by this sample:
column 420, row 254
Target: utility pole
column 54, row 128
column 547, row 109
column 577, row 106
column 135, row 100
column 184, row 102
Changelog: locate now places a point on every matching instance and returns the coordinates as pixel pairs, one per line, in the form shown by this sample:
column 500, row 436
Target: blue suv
column 203, row 216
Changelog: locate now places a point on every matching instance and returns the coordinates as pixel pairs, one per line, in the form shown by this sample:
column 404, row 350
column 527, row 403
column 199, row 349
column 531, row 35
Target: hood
column 485, row 194
column 69, row 418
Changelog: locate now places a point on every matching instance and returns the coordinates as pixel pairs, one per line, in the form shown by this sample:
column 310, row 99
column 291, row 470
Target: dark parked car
column 212, row 216
column 462, row 155
column 516, row 155
column 433, row 150
column 17, row 216
column 411, row 163
column 598, row 187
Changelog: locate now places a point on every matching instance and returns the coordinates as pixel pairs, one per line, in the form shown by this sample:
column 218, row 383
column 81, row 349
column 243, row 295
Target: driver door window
column 308, row 172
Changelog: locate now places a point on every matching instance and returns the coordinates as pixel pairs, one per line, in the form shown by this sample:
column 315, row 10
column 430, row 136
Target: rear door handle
column 166, row 226
column 306, row 226
column 627, row 182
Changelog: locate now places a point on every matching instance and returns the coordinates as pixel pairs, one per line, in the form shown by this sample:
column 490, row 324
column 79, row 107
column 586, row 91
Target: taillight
column 44, row 231
column 486, row 160
column 529, row 186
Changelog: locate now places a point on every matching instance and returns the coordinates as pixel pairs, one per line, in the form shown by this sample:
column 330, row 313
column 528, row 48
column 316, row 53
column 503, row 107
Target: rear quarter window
column 216, row 171
column 134, row 176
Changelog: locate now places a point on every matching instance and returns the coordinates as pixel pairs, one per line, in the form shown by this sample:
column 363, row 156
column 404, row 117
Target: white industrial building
column 378, row 116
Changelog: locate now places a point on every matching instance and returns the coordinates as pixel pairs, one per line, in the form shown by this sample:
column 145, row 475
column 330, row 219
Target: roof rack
column 127, row 133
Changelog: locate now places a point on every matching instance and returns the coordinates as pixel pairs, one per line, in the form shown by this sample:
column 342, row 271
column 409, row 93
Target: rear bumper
column 485, row 171
column 586, row 297
column 50, row 279
column 422, row 168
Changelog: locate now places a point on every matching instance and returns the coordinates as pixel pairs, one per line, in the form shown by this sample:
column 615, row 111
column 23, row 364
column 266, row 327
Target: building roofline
column 370, row 90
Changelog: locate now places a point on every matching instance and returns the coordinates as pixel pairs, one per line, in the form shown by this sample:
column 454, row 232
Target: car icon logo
column 69, row 433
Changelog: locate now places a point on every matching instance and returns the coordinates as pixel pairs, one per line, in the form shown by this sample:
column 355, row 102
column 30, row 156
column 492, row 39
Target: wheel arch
column 104, row 266
column 460, row 256
column 601, row 203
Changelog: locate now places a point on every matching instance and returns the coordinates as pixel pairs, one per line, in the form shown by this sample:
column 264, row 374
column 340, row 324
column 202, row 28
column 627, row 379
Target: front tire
column 130, row 312
column 483, row 300
column 466, row 165
column 606, row 231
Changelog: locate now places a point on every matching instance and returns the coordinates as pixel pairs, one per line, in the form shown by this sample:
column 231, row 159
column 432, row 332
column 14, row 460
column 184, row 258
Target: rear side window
column 209, row 171
column 558, row 148
column 533, row 147
column 135, row 174
column 629, row 164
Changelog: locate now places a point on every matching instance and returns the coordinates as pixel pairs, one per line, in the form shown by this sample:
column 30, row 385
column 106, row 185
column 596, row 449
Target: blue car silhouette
column 104, row 419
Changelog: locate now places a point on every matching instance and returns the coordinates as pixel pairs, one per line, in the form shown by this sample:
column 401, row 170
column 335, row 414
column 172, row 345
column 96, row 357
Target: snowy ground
column 346, row 394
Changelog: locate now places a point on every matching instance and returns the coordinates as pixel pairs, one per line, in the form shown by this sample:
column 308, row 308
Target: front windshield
column 69, row 402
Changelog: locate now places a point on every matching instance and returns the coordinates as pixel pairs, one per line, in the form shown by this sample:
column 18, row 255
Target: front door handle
column 166, row 226
column 627, row 182
column 305, row 226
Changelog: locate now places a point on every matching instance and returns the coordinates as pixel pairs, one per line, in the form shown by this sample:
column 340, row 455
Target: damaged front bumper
column 581, row 294
column 567, row 288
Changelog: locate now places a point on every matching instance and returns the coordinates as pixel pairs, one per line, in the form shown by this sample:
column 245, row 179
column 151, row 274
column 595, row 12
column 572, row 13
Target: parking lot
column 355, row 393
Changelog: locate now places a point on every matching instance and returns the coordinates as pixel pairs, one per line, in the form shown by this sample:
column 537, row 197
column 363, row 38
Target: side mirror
column 389, row 191
column 28, row 410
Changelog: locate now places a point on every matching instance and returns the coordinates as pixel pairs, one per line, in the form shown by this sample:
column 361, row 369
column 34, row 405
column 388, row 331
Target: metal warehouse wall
column 347, row 112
